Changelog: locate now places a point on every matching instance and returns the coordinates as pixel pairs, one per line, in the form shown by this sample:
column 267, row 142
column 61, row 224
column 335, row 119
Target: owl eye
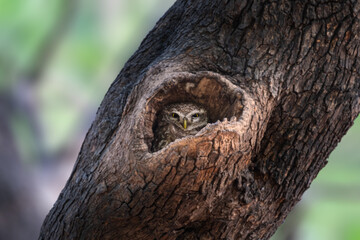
column 175, row 115
column 195, row 115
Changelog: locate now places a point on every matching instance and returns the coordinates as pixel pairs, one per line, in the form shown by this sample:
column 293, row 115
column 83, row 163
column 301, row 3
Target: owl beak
column 185, row 123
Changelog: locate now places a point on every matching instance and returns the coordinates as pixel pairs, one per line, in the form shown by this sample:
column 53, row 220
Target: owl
column 177, row 121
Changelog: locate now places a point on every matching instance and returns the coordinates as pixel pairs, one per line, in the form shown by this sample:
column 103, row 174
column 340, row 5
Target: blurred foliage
column 58, row 58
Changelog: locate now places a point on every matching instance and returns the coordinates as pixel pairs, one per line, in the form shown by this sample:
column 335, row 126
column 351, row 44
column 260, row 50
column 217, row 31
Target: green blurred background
column 57, row 60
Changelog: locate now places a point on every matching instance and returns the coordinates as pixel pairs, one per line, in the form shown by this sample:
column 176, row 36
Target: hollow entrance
column 221, row 99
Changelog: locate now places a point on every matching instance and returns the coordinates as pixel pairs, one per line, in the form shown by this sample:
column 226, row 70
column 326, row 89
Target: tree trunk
column 280, row 81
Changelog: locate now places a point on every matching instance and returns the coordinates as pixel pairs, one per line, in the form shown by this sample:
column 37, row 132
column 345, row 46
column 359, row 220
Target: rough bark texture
column 283, row 79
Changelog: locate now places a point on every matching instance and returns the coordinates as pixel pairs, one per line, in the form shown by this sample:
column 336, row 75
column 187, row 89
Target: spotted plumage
column 177, row 121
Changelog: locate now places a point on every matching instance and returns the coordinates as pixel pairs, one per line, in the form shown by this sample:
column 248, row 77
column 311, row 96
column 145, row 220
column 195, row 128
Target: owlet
column 177, row 121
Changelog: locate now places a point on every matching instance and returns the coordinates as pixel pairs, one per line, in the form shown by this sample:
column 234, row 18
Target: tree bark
column 281, row 83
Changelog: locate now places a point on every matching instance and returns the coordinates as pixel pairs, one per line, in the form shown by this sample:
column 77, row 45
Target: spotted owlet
column 177, row 121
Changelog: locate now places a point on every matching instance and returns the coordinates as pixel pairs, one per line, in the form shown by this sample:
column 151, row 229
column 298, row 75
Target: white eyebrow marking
column 195, row 111
column 178, row 113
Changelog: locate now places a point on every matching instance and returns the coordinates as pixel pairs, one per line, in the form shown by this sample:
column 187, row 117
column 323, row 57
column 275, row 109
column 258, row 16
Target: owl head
column 186, row 116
